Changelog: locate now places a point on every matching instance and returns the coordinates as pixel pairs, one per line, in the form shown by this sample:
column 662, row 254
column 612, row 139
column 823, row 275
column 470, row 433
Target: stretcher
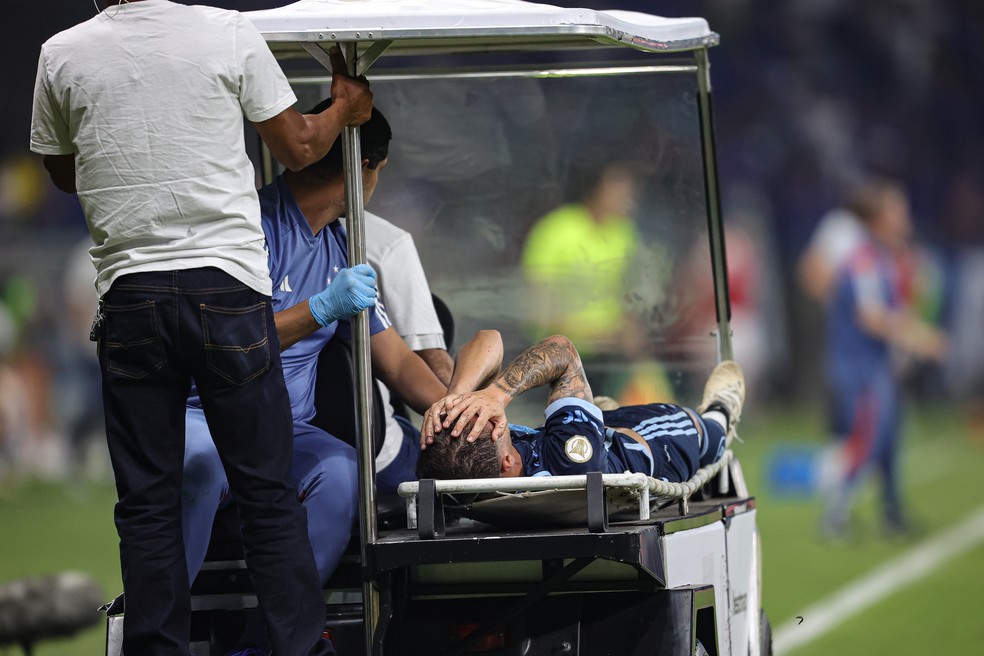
column 588, row 499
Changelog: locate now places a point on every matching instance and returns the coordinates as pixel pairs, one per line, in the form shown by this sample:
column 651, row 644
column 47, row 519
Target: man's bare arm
column 294, row 324
column 905, row 331
column 298, row 140
column 61, row 168
column 440, row 362
column 477, row 363
column 403, row 371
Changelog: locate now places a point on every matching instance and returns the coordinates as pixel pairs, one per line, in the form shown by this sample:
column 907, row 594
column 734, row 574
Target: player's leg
column 885, row 453
column 714, row 436
column 203, row 490
column 856, row 423
column 724, row 393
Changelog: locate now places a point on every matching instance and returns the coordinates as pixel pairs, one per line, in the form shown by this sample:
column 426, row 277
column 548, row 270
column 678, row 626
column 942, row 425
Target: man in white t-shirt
column 139, row 111
column 405, row 293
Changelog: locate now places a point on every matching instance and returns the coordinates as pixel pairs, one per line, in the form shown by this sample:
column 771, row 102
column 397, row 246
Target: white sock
column 718, row 418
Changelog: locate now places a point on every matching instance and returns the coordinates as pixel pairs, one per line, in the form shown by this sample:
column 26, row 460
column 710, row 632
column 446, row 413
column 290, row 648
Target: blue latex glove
column 351, row 291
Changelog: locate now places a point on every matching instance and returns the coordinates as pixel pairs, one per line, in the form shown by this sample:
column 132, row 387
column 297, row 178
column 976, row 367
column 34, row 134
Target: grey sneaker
column 725, row 388
column 606, row 403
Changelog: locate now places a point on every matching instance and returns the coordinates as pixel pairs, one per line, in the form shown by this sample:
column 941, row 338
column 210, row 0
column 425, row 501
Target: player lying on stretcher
column 467, row 435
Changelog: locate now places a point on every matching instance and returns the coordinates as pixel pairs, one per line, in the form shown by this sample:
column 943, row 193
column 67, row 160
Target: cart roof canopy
column 467, row 25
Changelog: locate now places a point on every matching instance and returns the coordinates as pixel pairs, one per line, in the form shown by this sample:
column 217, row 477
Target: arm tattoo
column 550, row 362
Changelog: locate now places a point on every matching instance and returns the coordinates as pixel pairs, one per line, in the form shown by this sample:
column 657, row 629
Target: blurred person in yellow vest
column 576, row 259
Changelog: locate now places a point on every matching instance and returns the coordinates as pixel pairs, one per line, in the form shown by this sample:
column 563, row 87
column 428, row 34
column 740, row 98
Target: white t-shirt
column 403, row 286
column 402, row 283
column 150, row 97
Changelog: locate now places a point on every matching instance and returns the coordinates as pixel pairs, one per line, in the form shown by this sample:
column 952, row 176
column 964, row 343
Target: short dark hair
column 374, row 137
column 455, row 457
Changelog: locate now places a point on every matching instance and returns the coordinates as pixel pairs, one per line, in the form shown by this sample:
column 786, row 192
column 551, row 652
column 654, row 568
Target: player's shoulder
column 572, row 409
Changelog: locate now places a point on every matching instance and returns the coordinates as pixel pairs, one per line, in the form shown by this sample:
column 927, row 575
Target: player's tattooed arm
column 554, row 362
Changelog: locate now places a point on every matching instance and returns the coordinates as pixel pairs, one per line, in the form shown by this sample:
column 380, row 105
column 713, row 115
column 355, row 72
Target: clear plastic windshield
column 571, row 205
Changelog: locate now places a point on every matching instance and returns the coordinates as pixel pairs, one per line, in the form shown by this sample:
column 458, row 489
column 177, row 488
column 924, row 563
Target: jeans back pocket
column 237, row 347
column 132, row 340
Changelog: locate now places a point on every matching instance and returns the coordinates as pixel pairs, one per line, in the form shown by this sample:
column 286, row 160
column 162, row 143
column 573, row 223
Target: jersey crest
column 578, row 449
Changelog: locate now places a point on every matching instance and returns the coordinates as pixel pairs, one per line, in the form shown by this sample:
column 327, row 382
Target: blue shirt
column 575, row 440
column 869, row 278
column 301, row 265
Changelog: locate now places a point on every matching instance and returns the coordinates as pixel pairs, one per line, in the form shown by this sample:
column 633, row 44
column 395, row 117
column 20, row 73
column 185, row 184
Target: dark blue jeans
column 161, row 330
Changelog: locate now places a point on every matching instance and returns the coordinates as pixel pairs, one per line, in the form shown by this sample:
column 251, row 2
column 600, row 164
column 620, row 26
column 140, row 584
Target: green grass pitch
column 48, row 528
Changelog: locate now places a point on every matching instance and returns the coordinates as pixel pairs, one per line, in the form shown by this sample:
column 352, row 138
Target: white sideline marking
column 905, row 569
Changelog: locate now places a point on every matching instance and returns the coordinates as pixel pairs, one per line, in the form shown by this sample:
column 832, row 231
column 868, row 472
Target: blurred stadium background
column 810, row 95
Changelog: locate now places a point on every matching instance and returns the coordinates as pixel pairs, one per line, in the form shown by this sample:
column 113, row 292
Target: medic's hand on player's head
column 350, row 292
column 349, row 91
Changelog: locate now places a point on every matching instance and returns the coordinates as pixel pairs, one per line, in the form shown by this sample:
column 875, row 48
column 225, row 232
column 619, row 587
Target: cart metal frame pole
column 356, row 228
column 715, row 220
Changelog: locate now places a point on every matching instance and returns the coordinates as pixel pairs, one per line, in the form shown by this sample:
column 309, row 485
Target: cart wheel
column 765, row 634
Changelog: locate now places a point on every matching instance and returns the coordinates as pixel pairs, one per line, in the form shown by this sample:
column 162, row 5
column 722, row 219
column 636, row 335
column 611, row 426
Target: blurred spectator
column 869, row 317
column 77, row 390
column 576, row 260
column 964, row 221
column 747, row 290
column 28, row 447
column 12, row 422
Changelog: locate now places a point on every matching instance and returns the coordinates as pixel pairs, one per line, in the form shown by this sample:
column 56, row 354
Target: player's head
column 883, row 208
column 374, row 138
column 455, row 457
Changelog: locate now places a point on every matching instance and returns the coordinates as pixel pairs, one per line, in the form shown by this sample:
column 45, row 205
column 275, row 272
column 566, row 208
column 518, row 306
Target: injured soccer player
column 467, row 435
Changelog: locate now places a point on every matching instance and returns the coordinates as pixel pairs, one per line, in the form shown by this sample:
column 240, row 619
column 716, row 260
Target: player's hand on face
column 351, row 93
column 351, row 291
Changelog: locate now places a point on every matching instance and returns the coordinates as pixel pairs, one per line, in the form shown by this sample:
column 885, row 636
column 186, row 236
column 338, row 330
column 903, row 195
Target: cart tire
column 765, row 633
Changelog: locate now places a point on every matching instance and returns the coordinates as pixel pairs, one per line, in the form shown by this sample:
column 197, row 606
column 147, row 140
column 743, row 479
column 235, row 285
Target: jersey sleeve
column 264, row 90
column 574, row 438
column 49, row 128
column 378, row 322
